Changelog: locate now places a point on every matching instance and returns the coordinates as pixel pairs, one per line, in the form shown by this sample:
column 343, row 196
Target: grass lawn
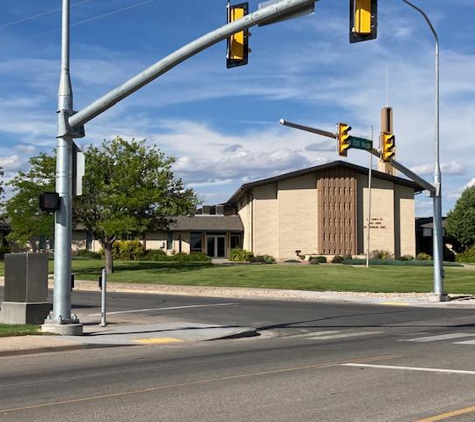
column 326, row 277
column 19, row 330
column 329, row 277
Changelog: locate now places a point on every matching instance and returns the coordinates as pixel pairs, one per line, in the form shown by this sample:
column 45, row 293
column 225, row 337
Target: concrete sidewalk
column 116, row 335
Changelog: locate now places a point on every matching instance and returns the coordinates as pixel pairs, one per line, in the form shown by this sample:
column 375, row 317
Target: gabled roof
column 359, row 169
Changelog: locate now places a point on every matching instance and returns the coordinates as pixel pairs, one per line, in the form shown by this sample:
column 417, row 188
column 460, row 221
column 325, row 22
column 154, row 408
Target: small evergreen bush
column 337, row 259
column 422, row 256
column 265, row 259
column 381, row 254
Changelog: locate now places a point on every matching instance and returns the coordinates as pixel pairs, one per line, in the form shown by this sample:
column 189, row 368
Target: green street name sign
column 360, row 143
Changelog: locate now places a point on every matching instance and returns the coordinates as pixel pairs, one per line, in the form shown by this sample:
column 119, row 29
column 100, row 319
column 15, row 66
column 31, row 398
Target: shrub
column 321, row 259
column 3, row 250
column 128, row 250
column 159, row 255
column 154, row 255
column 85, row 253
column 406, row 258
column 240, row 255
column 292, row 261
column 347, row 256
column 381, row 254
column 184, row 257
column 337, row 259
column 422, row 256
column 313, row 261
column 466, row 256
column 265, row 259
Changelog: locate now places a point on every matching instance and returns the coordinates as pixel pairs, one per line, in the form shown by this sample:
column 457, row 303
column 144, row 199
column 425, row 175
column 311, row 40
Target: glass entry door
column 216, row 246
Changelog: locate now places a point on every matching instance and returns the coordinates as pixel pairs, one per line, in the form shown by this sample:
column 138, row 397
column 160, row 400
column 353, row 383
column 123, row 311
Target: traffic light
column 343, row 139
column 389, row 145
column 363, row 20
column 238, row 44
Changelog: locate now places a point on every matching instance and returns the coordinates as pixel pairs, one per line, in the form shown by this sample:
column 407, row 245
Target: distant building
column 323, row 210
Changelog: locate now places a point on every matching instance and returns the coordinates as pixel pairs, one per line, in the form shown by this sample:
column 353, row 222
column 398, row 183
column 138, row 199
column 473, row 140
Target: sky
column 222, row 125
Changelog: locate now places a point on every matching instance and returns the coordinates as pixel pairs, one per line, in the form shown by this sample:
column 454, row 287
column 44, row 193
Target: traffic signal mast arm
column 409, row 173
column 266, row 14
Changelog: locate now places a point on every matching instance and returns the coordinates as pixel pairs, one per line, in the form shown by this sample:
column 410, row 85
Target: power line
column 123, row 9
column 29, row 18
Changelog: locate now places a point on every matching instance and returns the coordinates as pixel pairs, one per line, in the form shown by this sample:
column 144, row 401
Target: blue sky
column 222, row 124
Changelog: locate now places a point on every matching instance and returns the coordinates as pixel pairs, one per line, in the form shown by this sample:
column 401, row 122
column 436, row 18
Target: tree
column 129, row 188
column 27, row 222
column 460, row 222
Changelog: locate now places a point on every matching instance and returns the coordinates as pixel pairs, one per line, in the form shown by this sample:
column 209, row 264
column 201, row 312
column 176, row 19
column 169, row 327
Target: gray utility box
column 26, row 289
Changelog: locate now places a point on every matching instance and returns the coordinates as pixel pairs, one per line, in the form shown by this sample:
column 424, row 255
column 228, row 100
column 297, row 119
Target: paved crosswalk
column 451, row 337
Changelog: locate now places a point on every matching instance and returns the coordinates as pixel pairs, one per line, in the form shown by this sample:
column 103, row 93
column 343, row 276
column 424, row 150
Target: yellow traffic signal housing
column 238, row 44
column 388, row 146
column 343, row 139
column 363, row 20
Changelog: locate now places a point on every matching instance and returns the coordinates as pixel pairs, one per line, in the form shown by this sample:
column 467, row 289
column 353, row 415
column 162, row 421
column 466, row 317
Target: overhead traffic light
column 238, row 44
column 343, row 139
column 388, row 146
column 363, row 20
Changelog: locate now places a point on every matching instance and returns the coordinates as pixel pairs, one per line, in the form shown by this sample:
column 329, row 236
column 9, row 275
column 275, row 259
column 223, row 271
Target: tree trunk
column 109, row 258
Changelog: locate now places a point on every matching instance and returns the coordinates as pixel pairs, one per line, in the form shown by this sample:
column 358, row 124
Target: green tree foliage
column 129, row 188
column 26, row 219
column 460, row 222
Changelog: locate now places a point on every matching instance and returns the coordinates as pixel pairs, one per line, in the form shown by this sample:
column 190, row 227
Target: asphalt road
column 313, row 361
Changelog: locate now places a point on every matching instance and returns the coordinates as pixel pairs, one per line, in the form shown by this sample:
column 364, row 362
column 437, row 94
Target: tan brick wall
column 244, row 211
column 297, row 216
column 405, row 198
column 382, row 223
column 266, row 220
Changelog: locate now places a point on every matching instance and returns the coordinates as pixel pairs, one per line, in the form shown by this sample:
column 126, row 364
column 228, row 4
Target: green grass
column 329, row 277
column 19, row 330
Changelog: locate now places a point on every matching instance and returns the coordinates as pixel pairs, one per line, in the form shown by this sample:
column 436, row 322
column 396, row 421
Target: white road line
column 410, row 368
column 165, row 309
column 440, row 337
column 343, row 335
column 465, row 342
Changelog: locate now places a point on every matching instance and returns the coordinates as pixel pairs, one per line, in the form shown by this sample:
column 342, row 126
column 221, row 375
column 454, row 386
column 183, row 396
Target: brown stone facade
column 337, row 218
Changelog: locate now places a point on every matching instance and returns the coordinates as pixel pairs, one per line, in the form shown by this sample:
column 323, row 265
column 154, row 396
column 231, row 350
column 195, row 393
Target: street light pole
column 61, row 321
column 437, row 195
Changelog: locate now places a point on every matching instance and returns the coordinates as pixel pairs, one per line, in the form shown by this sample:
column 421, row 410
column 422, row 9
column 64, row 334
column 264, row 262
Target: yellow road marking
column 158, row 340
column 200, row 382
column 444, row 416
column 395, row 303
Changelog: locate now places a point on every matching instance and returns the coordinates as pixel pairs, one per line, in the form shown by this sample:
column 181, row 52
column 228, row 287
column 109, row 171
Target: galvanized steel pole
column 61, row 321
column 70, row 126
column 437, row 195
